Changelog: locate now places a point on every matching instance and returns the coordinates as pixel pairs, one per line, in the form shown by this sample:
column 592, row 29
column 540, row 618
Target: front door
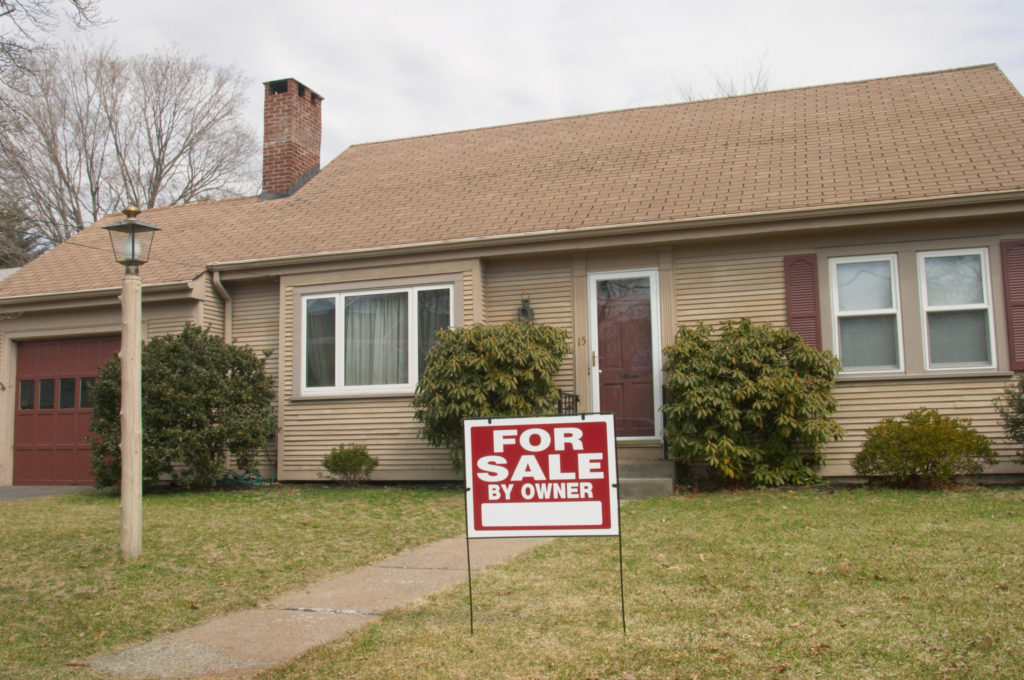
column 625, row 356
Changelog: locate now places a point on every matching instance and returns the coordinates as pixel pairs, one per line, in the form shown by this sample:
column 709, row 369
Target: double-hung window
column 866, row 316
column 956, row 302
column 370, row 342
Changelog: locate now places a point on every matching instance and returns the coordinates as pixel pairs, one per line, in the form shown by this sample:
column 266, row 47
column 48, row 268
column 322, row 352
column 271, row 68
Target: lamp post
column 131, row 241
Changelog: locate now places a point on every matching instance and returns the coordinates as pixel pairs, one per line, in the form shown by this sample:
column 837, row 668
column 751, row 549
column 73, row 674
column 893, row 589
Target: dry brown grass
column 745, row 585
column 65, row 594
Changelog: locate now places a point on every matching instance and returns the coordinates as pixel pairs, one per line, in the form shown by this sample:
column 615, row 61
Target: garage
column 53, row 408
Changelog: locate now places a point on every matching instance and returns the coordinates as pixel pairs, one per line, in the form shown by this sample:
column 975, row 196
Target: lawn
column 807, row 584
column 66, row 595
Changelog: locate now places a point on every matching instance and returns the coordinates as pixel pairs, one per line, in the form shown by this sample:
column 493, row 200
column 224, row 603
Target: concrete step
column 645, row 449
column 647, row 468
column 645, row 487
column 646, row 478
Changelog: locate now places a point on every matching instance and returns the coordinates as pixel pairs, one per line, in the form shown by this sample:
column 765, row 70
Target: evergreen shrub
column 753, row 402
column 481, row 371
column 924, row 450
column 1011, row 411
column 350, row 463
column 202, row 399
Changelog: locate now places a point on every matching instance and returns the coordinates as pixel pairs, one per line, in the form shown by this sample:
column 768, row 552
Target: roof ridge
column 991, row 65
column 180, row 206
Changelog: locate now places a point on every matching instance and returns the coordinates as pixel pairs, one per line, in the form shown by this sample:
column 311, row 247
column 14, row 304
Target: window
column 85, row 392
column 67, row 393
column 370, row 342
column 956, row 309
column 27, row 395
column 46, row 393
column 865, row 308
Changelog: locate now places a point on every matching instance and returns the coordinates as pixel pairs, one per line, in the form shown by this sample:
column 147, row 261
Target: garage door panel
column 29, row 468
column 24, row 431
column 71, row 467
column 66, row 432
column 51, row 429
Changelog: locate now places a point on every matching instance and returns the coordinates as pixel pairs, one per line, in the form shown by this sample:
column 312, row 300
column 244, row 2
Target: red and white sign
column 541, row 476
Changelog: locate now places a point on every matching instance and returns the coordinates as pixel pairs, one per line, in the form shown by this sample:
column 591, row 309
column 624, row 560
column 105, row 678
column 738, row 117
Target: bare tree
column 91, row 131
column 754, row 80
column 18, row 243
column 24, row 23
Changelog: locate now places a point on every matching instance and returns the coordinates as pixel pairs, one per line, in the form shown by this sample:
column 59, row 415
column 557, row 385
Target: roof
column 947, row 133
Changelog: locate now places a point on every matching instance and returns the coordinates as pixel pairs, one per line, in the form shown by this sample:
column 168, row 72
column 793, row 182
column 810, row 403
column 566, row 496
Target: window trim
column 986, row 306
column 339, row 389
column 895, row 311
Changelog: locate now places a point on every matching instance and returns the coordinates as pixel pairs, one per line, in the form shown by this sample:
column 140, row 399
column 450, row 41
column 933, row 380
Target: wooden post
column 131, row 415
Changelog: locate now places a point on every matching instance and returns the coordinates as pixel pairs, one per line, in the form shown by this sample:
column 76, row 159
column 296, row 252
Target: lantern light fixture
column 131, row 240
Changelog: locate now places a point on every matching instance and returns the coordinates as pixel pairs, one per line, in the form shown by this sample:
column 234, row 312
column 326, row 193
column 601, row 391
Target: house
column 882, row 220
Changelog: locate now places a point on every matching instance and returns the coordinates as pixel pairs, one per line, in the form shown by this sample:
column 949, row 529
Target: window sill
column 930, row 375
column 370, row 394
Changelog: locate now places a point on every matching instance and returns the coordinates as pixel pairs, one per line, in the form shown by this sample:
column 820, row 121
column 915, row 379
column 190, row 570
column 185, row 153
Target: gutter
column 95, row 294
column 764, row 219
column 222, row 292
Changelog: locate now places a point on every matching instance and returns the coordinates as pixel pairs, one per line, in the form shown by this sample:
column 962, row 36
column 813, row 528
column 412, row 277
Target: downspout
column 222, row 293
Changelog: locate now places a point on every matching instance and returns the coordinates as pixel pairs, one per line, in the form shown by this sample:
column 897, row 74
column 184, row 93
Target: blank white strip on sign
column 559, row 514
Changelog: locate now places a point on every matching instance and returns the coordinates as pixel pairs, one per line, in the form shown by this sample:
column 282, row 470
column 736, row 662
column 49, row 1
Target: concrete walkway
column 244, row 643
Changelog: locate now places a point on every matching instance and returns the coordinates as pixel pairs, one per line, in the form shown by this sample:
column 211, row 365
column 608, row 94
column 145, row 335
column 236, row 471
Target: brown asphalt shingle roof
column 908, row 137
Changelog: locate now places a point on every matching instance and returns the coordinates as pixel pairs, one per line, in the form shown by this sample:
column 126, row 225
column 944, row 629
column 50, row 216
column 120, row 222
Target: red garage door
column 51, row 417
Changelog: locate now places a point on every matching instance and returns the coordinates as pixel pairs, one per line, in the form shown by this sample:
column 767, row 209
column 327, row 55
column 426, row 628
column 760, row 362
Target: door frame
column 594, row 352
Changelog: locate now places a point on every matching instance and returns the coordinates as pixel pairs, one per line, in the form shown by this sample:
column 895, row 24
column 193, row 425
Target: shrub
column 1011, row 411
column 480, row 371
column 201, row 399
column 925, row 450
column 349, row 463
column 753, row 402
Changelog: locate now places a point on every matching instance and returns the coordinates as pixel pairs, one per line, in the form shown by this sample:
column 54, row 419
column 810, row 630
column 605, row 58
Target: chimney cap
column 280, row 85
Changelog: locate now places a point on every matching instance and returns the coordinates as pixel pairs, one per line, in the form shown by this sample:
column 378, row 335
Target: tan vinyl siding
column 211, row 308
column 165, row 326
column 862, row 404
column 254, row 325
column 385, row 425
column 311, row 427
column 713, row 287
column 547, row 282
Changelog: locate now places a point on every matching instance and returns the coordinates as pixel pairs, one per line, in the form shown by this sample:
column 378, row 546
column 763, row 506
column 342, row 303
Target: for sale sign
column 541, row 476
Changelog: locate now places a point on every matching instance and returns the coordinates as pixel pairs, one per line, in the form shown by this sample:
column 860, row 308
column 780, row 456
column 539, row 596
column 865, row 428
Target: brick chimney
column 291, row 137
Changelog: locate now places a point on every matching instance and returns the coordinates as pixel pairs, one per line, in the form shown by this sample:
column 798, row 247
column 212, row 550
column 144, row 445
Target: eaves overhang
column 958, row 206
column 96, row 296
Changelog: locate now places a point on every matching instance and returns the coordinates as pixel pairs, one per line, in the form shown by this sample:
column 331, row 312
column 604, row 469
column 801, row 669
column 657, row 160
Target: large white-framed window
column 370, row 342
column 956, row 309
column 866, row 313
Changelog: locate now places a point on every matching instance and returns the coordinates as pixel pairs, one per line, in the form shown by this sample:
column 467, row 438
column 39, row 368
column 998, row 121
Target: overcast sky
column 396, row 68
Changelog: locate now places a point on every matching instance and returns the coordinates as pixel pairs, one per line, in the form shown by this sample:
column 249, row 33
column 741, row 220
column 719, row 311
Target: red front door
column 53, row 408
column 625, row 354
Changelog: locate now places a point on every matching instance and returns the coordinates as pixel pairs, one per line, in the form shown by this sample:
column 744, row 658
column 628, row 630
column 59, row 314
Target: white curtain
column 377, row 339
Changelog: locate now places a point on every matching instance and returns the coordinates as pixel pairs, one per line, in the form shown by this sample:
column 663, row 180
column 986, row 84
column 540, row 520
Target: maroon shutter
column 801, row 275
column 1013, row 291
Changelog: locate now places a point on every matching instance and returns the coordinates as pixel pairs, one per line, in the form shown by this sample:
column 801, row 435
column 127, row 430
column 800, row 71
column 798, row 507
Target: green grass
column 66, row 595
column 808, row 584
column 811, row 584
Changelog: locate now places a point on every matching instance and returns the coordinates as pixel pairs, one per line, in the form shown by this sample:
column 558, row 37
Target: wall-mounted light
column 525, row 311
